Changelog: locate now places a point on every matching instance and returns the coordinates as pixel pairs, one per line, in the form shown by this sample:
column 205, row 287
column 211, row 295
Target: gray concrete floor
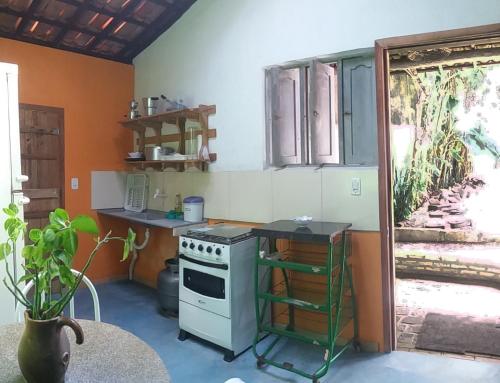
column 133, row 307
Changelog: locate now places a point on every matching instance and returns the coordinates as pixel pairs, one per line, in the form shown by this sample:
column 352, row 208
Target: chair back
column 85, row 280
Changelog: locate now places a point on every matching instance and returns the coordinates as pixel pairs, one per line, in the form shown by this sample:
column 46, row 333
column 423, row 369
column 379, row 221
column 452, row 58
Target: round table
column 108, row 354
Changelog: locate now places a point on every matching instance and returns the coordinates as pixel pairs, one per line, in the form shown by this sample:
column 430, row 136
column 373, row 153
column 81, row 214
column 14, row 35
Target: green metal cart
column 283, row 298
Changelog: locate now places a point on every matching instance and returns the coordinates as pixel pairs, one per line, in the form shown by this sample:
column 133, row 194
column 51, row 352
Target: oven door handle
column 222, row 266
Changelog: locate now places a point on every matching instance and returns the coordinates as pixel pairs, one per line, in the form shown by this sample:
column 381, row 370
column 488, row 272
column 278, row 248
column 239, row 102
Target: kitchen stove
column 216, row 289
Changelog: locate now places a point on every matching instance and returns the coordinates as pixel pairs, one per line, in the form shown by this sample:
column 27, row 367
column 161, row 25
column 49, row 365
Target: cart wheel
column 356, row 345
column 315, row 380
column 260, row 364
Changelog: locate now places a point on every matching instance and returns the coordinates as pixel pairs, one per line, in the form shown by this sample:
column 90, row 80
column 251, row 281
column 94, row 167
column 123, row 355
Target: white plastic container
column 193, row 209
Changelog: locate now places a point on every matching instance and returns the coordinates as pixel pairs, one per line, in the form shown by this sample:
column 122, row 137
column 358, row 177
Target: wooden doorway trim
column 382, row 48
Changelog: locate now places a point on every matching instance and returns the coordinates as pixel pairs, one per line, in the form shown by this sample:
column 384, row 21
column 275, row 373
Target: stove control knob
column 209, row 249
column 200, row 247
column 191, row 246
column 184, row 244
column 218, row 251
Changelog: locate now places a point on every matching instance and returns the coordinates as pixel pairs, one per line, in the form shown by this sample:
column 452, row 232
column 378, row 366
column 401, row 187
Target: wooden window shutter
column 323, row 114
column 359, row 114
column 284, row 105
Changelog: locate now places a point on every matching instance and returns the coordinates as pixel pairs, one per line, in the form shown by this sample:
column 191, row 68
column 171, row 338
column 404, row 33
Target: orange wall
column 95, row 94
column 367, row 276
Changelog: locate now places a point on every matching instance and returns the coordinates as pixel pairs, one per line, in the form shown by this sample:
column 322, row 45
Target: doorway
column 42, row 160
column 426, row 48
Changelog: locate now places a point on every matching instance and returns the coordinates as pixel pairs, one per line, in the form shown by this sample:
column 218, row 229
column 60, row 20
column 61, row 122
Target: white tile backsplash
column 107, row 189
column 265, row 196
column 176, row 183
column 250, row 196
column 214, row 188
column 156, row 181
column 341, row 206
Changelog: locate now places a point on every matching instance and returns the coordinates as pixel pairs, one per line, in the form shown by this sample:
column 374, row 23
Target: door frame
column 382, row 48
column 62, row 144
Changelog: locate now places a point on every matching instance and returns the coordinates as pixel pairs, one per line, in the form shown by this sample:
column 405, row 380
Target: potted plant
column 44, row 349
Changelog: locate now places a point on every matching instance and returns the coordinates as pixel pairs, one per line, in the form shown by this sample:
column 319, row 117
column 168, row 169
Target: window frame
column 303, row 65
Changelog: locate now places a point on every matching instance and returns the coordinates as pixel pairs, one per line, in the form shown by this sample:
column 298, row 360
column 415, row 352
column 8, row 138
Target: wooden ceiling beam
column 174, row 9
column 11, row 11
column 27, row 16
column 61, row 25
column 73, row 20
column 63, row 47
column 117, row 19
column 41, row 19
column 105, row 12
column 168, row 17
column 163, row 2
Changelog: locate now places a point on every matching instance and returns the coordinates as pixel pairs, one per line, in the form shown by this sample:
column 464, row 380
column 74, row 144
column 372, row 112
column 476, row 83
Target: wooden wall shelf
column 171, row 117
column 178, row 118
column 180, row 165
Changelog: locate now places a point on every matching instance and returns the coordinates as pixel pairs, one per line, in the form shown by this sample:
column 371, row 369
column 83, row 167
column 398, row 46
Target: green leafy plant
column 439, row 156
column 478, row 139
column 49, row 259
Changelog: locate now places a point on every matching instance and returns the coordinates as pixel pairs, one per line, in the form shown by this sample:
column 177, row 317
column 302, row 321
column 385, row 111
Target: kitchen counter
column 149, row 219
column 153, row 218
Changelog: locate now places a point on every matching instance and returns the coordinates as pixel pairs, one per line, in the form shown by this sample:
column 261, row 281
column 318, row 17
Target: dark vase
column 44, row 350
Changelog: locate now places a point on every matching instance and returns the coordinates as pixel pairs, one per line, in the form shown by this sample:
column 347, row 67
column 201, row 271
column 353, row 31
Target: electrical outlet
column 74, row 183
column 356, row 186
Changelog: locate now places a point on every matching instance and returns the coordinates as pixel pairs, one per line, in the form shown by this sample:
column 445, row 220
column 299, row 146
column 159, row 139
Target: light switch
column 356, row 186
column 74, row 183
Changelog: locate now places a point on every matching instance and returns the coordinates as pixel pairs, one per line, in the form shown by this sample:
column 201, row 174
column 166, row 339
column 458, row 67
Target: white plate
column 134, row 154
column 302, row 220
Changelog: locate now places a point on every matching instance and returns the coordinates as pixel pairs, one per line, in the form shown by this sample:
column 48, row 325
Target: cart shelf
column 307, row 299
column 304, row 299
column 304, row 335
column 300, row 335
column 311, row 263
column 302, row 267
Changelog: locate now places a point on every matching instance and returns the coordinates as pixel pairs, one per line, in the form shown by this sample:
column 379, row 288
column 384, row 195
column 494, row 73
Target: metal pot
column 150, row 105
column 153, row 153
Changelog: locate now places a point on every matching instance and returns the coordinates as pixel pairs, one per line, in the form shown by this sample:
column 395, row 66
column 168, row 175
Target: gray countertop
column 154, row 218
column 108, row 354
column 313, row 231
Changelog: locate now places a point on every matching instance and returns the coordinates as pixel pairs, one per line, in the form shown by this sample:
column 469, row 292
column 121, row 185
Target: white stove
column 216, row 287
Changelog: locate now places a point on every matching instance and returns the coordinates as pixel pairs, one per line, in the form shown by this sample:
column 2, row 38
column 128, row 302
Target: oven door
column 205, row 284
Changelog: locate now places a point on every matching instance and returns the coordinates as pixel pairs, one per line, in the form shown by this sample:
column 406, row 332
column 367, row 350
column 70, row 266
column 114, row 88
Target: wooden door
column 42, row 160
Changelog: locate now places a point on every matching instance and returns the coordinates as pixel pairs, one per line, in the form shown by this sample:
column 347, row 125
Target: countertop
column 314, row 231
column 154, row 218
